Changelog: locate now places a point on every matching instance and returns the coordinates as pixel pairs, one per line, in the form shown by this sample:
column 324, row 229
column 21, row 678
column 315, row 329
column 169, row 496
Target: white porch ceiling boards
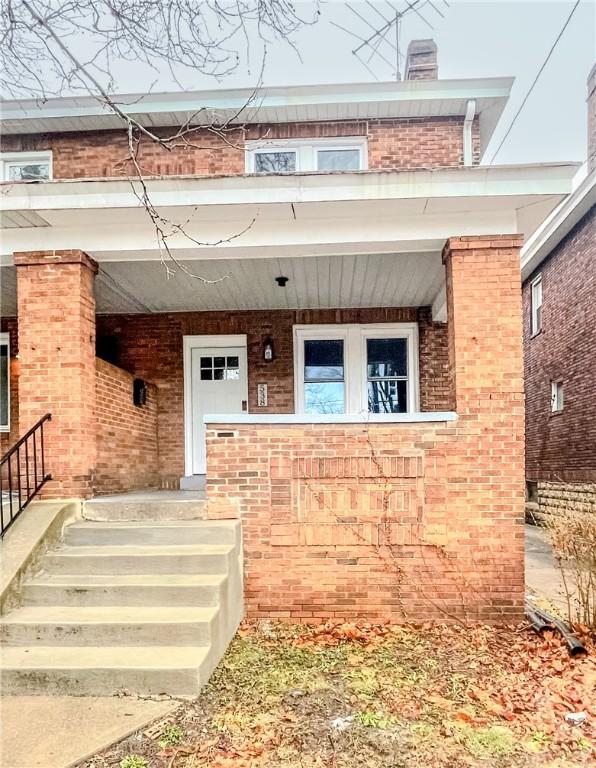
column 377, row 280
column 302, row 103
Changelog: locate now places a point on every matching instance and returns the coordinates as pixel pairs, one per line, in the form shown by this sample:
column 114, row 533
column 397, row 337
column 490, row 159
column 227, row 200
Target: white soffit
column 301, row 103
column 558, row 225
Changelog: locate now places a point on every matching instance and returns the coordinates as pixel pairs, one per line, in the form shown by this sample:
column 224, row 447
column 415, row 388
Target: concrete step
column 142, row 589
column 104, row 671
column 109, row 625
column 202, row 558
column 149, row 509
column 87, row 533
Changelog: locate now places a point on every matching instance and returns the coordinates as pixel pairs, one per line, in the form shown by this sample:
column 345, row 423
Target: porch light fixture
column 282, row 281
column 268, row 350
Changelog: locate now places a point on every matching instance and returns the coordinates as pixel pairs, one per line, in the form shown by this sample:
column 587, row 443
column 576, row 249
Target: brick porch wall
column 431, row 142
column 150, row 346
column 393, row 521
column 126, row 433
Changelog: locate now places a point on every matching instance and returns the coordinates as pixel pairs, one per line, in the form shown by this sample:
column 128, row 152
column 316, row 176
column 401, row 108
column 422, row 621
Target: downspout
column 468, row 123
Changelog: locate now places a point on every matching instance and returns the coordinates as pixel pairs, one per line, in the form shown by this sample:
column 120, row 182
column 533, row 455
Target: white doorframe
column 188, row 344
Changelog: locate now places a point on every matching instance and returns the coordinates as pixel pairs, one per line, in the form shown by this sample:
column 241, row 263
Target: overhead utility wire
column 531, row 88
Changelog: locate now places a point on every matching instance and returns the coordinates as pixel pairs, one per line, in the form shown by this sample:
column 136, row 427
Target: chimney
column 421, row 60
column 592, row 119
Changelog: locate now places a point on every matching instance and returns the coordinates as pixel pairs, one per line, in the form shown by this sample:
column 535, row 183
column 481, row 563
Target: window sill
column 537, row 333
column 339, row 418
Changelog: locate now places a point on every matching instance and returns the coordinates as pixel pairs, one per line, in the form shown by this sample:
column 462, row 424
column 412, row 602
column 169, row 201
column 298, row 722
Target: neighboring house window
column 342, row 154
column 25, row 166
column 356, row 368
column 4, row 382
column 556, row 396
column 536, row 302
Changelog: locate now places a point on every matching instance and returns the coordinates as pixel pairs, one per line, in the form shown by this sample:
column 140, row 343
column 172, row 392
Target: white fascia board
column 288, row 103
column 558, row 225
column 472, row 182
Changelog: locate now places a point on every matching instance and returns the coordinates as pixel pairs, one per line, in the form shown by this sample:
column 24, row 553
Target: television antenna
column 382, row 36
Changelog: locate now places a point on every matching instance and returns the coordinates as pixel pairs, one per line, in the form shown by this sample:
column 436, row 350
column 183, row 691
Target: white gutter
column 468, row 123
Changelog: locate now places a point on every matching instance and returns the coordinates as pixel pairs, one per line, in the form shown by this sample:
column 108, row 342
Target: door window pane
column 338, row 159
column 387, row 357
column 324, row 360
column 275, row 162
column 387, row 396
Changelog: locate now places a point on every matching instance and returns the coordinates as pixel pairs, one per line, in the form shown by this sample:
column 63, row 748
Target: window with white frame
column 556, row 396
column 4, row 382
column 26, row 166
column 339, row 154
column 536, row 304
column 356, row 368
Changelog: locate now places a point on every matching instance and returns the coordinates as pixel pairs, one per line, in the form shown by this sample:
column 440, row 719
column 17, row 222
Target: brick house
column 350, row 385
column 559, row 304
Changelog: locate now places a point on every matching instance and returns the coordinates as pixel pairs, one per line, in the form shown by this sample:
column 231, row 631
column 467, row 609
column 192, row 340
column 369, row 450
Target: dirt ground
column 372, row 695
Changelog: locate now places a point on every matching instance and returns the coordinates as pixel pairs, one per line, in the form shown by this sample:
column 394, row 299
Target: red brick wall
column 126, row 433
column 56, row 311
column 393, row 144
column 151, row 347
column 7, row 439
column 562, row 446
column 392, row 521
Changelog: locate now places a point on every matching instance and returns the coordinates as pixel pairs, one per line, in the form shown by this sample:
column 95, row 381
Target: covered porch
column 364, row 419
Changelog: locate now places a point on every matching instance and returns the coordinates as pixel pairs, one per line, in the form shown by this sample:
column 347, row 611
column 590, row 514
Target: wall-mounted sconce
column 268, row 350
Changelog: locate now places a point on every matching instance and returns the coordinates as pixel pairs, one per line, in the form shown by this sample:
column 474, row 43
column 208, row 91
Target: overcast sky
column 481, row 38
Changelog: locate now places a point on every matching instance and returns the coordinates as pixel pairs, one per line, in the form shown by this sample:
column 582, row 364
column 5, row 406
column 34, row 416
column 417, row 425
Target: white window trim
column 534, row 329
column 557, row 396
column 5, row 339
column 306, row 151
column 355, row 371
column 23, row 158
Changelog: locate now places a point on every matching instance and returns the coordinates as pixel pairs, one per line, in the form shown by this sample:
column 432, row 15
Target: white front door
column 218, row 384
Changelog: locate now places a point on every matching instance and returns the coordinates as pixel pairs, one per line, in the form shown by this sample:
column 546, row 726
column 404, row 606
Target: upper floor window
column 4, row 382
column 340, row 154
column 25, row 166
column 536, row 304
column 556, row 396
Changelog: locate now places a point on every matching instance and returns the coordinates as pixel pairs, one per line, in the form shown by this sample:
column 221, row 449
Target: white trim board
column 188, row 344
column 421, row 417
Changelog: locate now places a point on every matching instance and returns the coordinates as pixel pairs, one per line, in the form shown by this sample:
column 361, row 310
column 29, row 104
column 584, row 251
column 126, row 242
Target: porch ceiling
column 365, row 280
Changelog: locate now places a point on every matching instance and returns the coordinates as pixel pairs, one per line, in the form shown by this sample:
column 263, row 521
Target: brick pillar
column 56, row 314
column 486, row 481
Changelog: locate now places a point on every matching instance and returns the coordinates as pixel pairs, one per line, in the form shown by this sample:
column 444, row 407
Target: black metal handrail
column 22, row 474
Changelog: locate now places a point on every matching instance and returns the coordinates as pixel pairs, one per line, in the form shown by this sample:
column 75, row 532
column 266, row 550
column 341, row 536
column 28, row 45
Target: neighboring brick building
column 559, row 296
column 347, row 369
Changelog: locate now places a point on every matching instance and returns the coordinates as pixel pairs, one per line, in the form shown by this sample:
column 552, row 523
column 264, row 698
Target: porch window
column 289, row 156
column 25, row 166
column 536, row 305
column 324, row 380
column 4, row 382
column 356, row 368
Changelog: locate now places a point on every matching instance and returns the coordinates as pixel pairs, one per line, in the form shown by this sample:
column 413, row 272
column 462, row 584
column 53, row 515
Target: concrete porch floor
column 150, row 496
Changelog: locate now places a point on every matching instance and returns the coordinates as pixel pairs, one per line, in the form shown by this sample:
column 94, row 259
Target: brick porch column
column 486, row 473
column 56, row 314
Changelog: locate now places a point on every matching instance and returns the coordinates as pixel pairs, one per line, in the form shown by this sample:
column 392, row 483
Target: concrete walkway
column 60, row 731
column 543, row 577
